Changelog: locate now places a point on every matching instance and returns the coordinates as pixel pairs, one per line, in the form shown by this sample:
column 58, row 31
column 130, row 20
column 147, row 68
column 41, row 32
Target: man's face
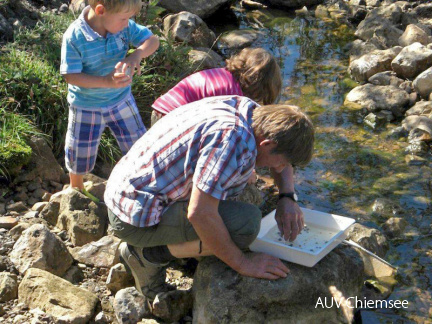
column 115, row 22
column 265, row 157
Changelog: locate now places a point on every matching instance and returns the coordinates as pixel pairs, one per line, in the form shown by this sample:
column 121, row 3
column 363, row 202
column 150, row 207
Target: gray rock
column 201, row 8
column 221, row 295
column 118, row 278
column 16, row 207
column 130, row 306
column 84, row 220
column 37, row 247
column 413, row 122
column 205, row 58
column 43, row 164
column 237, row 39
column 16, row 231
column 413, row 34
column 420, row 108
column 294, row 3
column 394, row 227
column 385, row 78
column 57, row 297
column 384, row 32
column 100, row 254
column 188, row 28
column 386, row 208
column 376, row 98
column 369, row 238
column 423, row 83
column 360, row 48
column 173, row 305
column 370, row 64
column 412, row 60
column 8, row 286
column 50, row 212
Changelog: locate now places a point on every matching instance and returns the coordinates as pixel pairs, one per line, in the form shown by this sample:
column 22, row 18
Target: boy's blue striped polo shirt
column 85, row 51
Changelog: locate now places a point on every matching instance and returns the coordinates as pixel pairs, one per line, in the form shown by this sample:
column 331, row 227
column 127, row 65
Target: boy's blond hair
column 258, row 74
column 289, row 128
column 115, row 6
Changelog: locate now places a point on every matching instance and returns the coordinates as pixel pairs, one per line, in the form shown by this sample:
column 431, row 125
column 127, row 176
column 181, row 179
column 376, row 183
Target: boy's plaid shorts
column 85, row 129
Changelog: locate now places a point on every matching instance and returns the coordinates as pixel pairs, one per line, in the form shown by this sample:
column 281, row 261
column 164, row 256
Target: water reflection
column 353, row 165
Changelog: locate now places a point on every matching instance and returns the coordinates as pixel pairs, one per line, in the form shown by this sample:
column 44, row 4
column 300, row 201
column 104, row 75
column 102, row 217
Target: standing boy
column 94, row 64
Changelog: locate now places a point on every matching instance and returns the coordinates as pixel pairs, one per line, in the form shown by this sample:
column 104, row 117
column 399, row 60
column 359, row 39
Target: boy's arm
column 112, row 80
column 147, row 48
column 289, row 216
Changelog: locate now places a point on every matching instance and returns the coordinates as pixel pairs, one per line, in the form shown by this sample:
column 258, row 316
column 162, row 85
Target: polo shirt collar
column 87, row 31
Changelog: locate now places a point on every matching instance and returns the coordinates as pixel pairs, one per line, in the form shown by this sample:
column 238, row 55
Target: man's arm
column 204, row 216
column 289, row 216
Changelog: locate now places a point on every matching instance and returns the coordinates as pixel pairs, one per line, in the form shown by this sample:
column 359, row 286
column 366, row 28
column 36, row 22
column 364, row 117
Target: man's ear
column 266, row 142
column 99, row 9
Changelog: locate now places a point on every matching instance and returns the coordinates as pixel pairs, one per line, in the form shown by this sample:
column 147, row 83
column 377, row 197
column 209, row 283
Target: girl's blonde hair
column 289, row 128
column 258, row 74
column 115, row 6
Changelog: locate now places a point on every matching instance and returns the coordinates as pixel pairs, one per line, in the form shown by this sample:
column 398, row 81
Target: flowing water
column 353, row 165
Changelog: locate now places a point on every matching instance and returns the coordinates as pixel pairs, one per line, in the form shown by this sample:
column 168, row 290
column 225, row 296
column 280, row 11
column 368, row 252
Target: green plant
column 15, row 129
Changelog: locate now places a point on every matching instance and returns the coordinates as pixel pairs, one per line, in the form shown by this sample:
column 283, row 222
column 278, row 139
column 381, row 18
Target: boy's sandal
column 88, row 195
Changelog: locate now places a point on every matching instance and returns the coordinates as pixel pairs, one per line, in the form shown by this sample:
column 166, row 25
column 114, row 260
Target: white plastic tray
column 323, row 233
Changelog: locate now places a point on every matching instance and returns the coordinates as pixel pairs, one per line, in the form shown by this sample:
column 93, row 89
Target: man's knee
column 249, row 230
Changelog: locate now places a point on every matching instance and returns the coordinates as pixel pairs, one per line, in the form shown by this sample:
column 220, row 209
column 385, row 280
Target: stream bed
column 354, row 166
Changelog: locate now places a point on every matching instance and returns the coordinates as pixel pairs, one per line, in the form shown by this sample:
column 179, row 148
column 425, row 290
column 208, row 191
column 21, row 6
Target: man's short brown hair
column 289, row 128
column 258, row 74
column 115, row 6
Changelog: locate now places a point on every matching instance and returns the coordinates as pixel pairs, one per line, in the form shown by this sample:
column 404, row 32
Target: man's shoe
column 149, row 277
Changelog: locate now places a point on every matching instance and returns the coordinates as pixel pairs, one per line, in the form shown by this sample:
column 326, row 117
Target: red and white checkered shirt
column 208, row 143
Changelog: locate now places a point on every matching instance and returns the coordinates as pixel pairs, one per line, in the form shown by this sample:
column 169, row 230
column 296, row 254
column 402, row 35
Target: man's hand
column 264, row 266
column 289, row 218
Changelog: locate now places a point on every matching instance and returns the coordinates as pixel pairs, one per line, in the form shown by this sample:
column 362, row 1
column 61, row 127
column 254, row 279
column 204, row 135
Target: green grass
column 31, row 85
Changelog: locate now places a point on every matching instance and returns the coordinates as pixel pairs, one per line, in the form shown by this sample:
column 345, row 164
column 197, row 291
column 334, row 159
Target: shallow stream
column 353, row 165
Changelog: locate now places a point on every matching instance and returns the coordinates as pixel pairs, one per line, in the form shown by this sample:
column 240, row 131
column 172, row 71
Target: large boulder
column 368, row 65
column 423, row 83
column 237, row 39
column 412, row 60
column 294, row 3
column 43, row 163
column 37, row 247
column 84, row 220
column 222, row 295
column 205, row 58
column 188, row 28
column 57, row 297
column 381, row 30
column 202, row 8
column 414, row 34
column 374, row 98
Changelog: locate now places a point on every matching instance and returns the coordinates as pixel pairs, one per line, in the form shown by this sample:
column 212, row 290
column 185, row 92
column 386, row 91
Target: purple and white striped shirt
column 207, row 143
column 200, row 85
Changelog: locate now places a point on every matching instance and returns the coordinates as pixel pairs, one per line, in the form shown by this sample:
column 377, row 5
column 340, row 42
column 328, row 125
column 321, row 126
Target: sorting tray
column 323, row 232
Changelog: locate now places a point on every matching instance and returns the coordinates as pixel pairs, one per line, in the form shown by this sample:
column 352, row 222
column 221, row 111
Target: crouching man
column 167, row 196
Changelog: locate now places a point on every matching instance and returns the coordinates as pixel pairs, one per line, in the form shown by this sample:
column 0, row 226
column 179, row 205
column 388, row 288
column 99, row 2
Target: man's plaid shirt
column 207, row 143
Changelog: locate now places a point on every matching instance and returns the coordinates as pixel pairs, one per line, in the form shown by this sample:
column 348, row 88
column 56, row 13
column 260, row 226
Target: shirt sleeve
column 220, row 164
column 138, row 34
column 71, row 61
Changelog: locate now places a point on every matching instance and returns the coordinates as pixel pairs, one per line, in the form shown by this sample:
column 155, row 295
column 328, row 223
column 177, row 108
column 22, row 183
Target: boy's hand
column 118, row 79
column 130, row 64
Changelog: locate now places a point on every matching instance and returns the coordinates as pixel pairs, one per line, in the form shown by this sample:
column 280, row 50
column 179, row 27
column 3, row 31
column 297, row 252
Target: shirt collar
column 87, row 31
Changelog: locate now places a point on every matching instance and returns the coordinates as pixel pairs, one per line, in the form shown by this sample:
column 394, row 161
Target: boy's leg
column 125, row 123
column 81, row 145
